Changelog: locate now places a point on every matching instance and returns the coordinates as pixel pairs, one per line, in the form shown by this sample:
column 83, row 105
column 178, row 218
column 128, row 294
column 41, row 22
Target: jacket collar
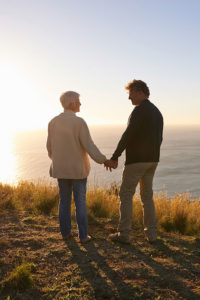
column 69, row 112
column 144, row 101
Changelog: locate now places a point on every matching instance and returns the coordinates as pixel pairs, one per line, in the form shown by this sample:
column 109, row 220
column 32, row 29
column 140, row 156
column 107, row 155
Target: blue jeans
column 78, row 187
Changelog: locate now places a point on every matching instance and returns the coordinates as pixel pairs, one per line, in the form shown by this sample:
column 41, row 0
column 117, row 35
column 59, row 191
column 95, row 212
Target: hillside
column 36, row 263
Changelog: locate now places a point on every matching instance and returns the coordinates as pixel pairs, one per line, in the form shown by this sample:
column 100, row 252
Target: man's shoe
column 151, row 241
column 67, row 237
column 116, row 237
column 86, row 240
column 151, row 238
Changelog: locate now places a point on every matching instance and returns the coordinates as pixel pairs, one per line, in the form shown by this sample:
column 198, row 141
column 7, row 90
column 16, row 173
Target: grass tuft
column 178, row 214
column 45, row 200
column 6, row 196
column 102, row 203
column 20, row 278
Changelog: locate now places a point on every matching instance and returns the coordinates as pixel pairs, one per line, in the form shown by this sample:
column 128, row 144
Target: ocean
column 24, row 157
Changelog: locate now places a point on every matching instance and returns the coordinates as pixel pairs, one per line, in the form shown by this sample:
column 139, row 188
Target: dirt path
column 169, row 269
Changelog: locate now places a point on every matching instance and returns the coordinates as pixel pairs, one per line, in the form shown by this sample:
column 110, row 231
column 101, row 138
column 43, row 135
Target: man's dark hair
column 138, row 85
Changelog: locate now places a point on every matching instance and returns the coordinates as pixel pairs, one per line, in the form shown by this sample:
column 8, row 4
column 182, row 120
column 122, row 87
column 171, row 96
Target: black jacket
column 143, row 135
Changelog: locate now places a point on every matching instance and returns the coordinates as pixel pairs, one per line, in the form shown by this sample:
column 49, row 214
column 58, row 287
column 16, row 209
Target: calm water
column 26, row 158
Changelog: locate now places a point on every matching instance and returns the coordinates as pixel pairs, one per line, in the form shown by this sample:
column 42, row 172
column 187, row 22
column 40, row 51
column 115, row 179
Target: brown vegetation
column 35, row 263
column 178, row 214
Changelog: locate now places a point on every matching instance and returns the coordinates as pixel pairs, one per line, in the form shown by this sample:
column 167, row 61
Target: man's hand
column 110, row 164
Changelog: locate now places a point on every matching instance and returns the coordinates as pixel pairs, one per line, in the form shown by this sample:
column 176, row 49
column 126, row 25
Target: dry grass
column 35, row 263
column 179, row 213
column 20, row 278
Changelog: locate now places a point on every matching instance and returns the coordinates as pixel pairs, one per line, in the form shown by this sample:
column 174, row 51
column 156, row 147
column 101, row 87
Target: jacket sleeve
column 48, row 144
column 132, row 129
column 89, row 146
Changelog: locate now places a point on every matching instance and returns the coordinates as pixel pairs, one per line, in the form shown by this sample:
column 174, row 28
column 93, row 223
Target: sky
column 95, row 47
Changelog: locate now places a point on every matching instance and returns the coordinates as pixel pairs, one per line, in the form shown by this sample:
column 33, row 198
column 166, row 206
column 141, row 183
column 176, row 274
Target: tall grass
column 179, row 213
column 6, row 196
column 29, row 196
column 102, row 203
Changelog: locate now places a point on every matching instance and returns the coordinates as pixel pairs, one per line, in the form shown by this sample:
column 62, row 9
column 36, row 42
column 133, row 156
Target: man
column 68, row 144
column 141, row 140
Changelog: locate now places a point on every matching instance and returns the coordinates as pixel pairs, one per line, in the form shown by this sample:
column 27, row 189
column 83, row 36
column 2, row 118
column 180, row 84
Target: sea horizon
column 177, row 172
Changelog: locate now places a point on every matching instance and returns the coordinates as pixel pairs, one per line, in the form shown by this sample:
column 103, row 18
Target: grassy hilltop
column 35, row 263
column 179, row 213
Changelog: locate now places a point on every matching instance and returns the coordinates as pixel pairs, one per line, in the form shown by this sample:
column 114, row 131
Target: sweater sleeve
column 88, row 144
column 132, row 129
column 48, row 144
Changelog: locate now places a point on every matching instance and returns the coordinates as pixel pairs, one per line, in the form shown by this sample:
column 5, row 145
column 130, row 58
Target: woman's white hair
column 67, row 98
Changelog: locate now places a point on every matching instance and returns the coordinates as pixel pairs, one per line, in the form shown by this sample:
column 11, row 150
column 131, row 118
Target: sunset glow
column 8, row 161
column 45, row 51
column 95, row 48
column 100, row 149
column 21, row 108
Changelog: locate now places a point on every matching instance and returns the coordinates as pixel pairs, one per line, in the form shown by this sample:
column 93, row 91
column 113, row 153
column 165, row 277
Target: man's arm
column 132, row 129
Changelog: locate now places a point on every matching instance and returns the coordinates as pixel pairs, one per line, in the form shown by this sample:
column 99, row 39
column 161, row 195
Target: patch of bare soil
column 101, row 269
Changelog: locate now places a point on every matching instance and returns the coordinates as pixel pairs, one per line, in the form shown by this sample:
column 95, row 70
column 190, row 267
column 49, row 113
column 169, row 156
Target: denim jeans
column 78, row 187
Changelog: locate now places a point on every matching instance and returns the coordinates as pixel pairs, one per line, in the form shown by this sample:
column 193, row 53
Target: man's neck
column 142, row 100
column 70, row 110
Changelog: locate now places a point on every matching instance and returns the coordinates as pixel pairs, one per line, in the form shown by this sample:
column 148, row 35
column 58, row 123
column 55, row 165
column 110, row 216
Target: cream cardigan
column 68, row 145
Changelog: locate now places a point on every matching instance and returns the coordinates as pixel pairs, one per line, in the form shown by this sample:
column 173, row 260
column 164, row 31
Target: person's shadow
column 166, row 277
column 106, row 282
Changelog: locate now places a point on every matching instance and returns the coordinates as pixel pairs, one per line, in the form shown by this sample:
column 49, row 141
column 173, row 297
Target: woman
column 68, row 144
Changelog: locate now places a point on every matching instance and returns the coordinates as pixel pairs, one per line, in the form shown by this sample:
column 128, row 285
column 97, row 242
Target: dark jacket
column 143, row 135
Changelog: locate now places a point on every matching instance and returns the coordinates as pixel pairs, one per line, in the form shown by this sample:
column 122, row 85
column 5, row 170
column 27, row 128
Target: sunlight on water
column 8, row 172
column 23, row 156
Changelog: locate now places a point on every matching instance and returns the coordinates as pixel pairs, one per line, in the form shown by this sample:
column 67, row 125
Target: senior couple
column 69, row 143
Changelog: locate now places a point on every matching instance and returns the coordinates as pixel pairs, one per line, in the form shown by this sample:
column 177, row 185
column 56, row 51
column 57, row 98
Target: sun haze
column 95, row 48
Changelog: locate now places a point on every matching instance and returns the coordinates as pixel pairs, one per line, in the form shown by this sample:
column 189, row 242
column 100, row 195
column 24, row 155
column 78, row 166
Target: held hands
column 110, row 164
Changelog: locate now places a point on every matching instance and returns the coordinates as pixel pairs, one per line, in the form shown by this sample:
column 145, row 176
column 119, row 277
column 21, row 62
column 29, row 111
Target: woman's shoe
column 86, row 240
column 67, row 237
column 116, row 237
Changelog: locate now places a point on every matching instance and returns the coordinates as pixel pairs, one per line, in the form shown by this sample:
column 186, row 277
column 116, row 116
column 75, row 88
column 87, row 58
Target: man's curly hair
column 138, row 85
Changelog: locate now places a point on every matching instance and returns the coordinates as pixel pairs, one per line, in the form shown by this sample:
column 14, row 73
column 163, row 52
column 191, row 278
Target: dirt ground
column 101, row 269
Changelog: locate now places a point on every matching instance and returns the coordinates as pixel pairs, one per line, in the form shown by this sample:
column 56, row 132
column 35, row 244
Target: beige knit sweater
column 68, row 145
